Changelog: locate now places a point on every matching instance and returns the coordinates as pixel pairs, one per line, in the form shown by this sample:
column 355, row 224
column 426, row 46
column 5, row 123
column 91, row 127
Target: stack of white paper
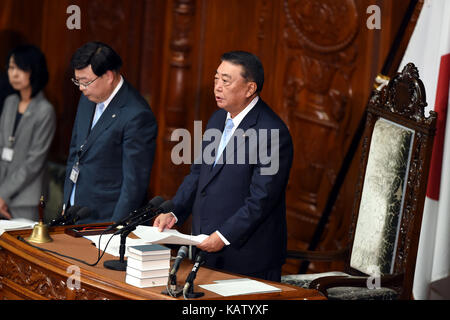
column 234, row 287
column 148, row 265
column 16, row 224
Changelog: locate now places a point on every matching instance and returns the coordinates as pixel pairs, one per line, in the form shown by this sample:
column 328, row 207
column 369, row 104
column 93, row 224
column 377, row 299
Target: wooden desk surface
column 29, row 273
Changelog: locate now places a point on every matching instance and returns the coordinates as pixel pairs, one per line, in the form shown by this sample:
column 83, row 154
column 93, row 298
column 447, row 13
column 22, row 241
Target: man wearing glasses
column 113, row 139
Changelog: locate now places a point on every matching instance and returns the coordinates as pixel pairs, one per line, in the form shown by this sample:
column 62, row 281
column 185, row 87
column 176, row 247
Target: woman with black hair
column 27, row 127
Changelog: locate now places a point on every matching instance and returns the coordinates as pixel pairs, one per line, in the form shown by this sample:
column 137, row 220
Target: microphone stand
column 190, row 294
column 173, row 289
column 121, row 264
column 188, row 290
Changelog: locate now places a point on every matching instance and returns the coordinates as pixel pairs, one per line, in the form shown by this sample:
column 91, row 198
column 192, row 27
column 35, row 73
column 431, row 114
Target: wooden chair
column 389, row 199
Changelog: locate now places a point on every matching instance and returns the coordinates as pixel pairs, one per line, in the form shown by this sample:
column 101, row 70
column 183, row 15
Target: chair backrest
column 391, row 188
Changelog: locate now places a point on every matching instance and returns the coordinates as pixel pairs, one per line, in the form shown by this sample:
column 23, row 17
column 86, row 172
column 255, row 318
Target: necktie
column 225, row 137
column 98, row 112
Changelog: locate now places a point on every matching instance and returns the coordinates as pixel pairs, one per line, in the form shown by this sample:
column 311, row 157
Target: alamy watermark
column 374, row 280
column 74, row 20
column 374, row 20
column 244, row 147
column 74, row 280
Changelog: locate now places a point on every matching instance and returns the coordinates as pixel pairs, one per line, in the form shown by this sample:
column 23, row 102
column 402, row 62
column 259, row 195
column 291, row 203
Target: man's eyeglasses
column 78, row 83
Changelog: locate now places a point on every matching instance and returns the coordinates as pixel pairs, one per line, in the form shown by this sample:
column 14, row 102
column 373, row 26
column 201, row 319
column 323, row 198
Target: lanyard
column 11, row 141
column 80, row 153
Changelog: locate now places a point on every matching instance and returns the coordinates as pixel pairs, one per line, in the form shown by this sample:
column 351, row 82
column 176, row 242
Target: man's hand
column 211, row 244
column 4, row 210
column 164, row 221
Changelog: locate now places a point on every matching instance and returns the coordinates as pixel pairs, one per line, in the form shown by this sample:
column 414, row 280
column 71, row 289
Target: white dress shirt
column 113, row 94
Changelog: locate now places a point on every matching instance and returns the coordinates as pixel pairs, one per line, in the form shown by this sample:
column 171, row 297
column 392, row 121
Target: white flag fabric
column 429, row 50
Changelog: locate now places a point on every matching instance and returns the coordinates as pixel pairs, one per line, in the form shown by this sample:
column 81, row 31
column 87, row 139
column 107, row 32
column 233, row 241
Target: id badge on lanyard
column 8, row 152
column 75, row 169
column 74, row 173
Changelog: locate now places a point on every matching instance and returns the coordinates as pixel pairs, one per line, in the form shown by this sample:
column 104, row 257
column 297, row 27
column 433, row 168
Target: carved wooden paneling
column 31, row 278
column 315, row 99
column 21, row 274
column 321, row 54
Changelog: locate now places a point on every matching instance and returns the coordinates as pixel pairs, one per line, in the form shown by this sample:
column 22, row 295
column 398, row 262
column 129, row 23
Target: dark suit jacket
column 246, row 207
column 117, row 156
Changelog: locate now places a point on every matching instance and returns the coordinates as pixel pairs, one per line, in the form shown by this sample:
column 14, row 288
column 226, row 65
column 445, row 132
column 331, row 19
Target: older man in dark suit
column 113, row 139
column 238, row 199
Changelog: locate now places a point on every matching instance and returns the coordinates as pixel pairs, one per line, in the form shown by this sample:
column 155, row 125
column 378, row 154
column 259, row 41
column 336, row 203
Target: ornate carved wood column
column 176, row 97
column 320, row 54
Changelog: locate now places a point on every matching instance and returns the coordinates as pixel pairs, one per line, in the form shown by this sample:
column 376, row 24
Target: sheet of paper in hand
column 168, row 236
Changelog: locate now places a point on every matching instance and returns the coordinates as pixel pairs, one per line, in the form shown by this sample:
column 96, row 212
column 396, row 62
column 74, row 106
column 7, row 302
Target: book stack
column 148, row 265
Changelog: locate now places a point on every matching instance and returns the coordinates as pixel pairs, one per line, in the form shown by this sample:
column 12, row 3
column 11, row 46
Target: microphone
column 148, row 214
column 158, row 204
column 154, row 203
column 84, row 212
column 61, row 220
column 172, row 287
column 182, row 253
column 188, row 287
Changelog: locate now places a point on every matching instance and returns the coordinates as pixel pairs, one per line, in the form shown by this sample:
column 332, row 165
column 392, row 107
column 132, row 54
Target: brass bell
column 40, row 232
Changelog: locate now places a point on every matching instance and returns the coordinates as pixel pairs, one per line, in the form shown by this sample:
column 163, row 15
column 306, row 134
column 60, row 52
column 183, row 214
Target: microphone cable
column 169, row 291
column 99, row 257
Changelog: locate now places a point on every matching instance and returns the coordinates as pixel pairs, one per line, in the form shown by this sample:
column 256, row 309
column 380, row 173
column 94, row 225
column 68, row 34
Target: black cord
column 69, row 257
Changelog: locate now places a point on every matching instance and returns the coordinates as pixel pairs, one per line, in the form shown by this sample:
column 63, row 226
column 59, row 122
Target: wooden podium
column 27, row 272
